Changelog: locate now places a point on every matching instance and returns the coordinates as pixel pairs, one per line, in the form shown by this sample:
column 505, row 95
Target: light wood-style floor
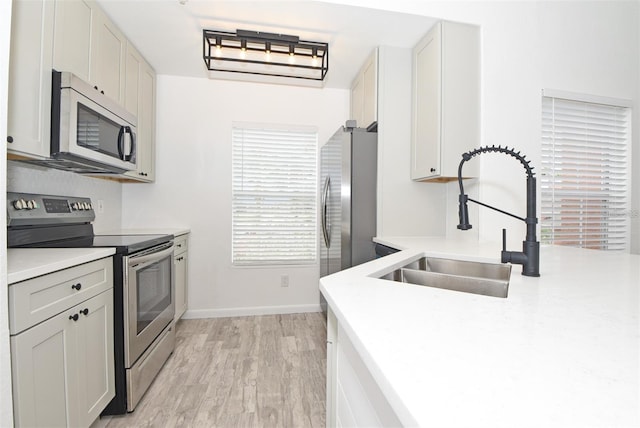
column 263, row 371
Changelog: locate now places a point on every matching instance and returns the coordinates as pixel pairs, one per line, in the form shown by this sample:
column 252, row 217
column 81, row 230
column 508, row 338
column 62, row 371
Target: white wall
column 588, row 47
column 193, row 186
column 6, row 408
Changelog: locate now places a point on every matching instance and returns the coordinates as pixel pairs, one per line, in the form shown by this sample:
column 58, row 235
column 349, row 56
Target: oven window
column 154, row 291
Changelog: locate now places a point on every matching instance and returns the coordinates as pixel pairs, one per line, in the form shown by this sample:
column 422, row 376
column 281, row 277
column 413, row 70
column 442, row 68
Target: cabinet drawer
column 35, row 300
column 180, row 244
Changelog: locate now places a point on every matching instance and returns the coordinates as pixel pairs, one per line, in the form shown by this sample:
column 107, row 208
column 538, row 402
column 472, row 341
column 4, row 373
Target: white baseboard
column 250, row 311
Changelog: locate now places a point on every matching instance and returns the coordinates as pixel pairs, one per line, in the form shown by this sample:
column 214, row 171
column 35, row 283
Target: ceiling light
column 266, row 54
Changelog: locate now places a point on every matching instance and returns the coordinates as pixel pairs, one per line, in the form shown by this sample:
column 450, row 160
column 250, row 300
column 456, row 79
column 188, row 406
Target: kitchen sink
column 489, row 279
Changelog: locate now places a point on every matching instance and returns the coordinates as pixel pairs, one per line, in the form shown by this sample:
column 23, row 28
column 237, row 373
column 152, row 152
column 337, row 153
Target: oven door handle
column 140, row 261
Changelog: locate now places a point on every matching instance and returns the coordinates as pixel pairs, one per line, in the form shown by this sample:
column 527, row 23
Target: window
column 274, row 188
column 585, row 172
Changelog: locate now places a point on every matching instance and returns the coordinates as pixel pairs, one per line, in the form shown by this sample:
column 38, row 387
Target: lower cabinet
column 180, row 259
column 63, row 367
column 354, row 399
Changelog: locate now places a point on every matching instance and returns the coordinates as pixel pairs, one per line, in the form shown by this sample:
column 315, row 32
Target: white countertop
column 175, row 231
column 27, row 263
column 562, row 350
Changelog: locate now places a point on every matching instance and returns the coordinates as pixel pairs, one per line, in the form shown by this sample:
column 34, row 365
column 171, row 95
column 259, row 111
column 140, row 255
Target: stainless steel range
column 144, row 333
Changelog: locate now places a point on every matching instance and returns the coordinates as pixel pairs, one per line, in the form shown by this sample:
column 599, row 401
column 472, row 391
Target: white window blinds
column 274, row 195
column 585, row 183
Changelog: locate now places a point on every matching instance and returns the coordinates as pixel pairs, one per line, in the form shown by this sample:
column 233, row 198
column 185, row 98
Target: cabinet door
column 180, row 264
column 72, row 38
column 108, row 47
column 145, row 104
column 147, row 122
column 133, row 65
column 96, row 382
column 370, row 93
column 31, row 59
column 44, row 362
column 425, row 144
column 357, row 100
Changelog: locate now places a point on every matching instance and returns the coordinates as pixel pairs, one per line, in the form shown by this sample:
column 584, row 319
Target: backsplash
column 22, row 177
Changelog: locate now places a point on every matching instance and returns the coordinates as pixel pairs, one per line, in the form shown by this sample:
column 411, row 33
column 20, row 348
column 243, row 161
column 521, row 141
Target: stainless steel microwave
column 90, row 133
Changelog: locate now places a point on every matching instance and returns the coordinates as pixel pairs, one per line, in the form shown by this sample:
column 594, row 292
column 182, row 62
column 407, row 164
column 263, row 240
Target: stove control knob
column 30, row 205
column 75, row 206
column 89, row 207
column 19, row 204
column 34, row 203
column 86, row 206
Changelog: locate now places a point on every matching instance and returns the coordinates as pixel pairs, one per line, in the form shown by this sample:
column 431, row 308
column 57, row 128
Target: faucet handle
column 504, row 239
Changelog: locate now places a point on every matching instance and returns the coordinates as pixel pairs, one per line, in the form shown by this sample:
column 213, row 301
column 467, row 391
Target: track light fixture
column 266, row 54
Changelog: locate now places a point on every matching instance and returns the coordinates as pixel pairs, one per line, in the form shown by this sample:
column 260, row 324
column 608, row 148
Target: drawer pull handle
column 77, row 286
column 85, row 311
column 74, row 317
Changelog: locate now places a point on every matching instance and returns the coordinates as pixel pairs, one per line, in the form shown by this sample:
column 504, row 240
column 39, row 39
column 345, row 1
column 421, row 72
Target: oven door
column 148, row 298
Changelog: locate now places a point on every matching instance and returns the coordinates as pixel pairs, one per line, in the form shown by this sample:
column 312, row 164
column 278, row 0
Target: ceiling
column 169, row 34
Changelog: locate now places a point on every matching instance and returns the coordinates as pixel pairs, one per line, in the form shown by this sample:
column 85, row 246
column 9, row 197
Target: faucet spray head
column 463, row 212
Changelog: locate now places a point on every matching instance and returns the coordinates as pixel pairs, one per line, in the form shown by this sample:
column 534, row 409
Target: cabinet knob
column 95, row 87
column 77, row 286
column 9, row 139
column 102, row 92
column 85, row 311
column 433, row 170
column 74, row 317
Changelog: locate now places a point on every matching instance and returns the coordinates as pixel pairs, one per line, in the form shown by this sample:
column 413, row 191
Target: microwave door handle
column 132, row 144
column 121, row 143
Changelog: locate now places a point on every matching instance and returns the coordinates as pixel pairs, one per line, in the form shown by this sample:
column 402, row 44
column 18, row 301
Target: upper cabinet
column 30, row 62
column 75, row 36
column 364, row 93
column 90, row 46
column 446, row 101
column 140, row 99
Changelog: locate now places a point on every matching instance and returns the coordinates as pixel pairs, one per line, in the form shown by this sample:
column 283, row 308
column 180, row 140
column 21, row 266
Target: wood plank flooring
column 263, row 371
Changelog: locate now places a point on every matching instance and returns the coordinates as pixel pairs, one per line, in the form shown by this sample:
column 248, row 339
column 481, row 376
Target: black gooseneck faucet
column 529, row 257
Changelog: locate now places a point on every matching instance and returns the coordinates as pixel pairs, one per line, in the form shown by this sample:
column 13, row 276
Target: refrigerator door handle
column 326, row 226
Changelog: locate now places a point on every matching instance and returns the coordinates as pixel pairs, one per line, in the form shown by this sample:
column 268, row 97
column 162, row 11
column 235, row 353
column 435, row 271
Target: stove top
column 124, row 244
column 49, row 221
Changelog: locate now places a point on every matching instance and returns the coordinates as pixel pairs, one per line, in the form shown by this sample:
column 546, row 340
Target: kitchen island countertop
column 562, row 350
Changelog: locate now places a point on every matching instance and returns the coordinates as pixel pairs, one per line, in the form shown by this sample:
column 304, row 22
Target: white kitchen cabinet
column 72, row 37
column 364, row 93
column 140, row 99
column 180, row 263
column 29, row 103
column 446, row 101
column 63, row 364
column 89, row 45
column 354, row 399
column 108, row 47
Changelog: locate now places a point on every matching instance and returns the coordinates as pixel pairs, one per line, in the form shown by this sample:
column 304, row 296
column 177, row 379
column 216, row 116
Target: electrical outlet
column 100, row 206
column 284, row 280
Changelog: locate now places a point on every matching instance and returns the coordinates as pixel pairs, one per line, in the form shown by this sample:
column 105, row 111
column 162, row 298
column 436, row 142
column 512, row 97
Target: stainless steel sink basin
column 489, row 279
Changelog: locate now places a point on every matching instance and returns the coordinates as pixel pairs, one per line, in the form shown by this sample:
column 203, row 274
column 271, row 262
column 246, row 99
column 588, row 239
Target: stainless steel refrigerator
column 348, row 165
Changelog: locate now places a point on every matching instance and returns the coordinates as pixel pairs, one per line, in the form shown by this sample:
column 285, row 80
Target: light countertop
column 27, row 263
column 562, row 350
column 175, row 231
